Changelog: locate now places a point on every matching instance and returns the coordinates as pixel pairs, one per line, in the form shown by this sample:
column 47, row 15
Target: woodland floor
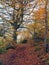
column 25, row 54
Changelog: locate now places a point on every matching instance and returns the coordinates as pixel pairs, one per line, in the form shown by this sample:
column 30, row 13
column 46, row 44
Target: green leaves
column 2, row 47
column 2, row 50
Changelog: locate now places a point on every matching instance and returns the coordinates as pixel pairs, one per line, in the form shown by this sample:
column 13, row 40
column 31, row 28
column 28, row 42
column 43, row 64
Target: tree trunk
column 46, row 26
column 16, row 20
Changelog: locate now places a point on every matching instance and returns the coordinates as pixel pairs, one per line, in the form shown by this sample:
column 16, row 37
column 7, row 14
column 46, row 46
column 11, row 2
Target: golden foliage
column 40, row 14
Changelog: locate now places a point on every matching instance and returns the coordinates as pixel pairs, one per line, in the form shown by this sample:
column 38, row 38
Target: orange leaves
column 40, row 14
column 41, row 10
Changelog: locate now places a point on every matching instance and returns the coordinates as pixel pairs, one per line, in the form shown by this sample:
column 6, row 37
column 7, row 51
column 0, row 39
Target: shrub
column 2, row 47
column 2, row 50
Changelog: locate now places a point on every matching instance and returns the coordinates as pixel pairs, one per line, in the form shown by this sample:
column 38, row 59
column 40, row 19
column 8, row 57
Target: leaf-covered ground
column 26, row 54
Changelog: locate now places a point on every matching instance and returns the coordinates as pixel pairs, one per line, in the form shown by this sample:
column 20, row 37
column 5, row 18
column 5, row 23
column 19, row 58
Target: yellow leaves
column 30, row 26
column 39, row 1
column 2, row 42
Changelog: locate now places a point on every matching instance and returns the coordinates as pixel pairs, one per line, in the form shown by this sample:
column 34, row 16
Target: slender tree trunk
column 34, row 30
column 46, row 26
column 14, row 20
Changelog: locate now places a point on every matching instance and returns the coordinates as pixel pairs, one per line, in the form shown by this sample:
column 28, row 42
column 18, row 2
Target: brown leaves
column 24, row 54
